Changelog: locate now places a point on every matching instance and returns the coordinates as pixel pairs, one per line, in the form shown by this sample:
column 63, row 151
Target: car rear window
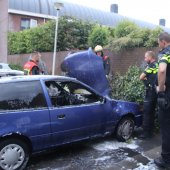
column 21, row 95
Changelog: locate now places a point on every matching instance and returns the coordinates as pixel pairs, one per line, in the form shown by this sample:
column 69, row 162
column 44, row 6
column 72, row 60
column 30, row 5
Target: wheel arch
column 128, row 115
column 18, row 136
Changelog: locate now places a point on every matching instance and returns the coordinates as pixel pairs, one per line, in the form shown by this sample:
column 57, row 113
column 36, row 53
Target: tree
column 99, row 35
column 72, row 33
column 128, row 35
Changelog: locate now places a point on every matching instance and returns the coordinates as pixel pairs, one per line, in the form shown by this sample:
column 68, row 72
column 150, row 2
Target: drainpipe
column 3, row 30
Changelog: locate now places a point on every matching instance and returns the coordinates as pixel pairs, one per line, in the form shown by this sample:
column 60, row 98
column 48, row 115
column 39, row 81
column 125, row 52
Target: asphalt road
column 100, row 154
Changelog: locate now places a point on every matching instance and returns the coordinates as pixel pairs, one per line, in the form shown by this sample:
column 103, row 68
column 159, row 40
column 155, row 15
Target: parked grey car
column 5, row 70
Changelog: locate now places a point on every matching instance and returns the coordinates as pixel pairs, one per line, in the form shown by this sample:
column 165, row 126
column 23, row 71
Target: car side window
column 21, row 96
column 63, row 93
column 57, row 94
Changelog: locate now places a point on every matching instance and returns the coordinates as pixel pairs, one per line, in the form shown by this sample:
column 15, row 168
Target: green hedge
column 77, row 34
column 72, row 34
column 128, row 87
column 129, row 35
column 16, row 67
column 39, row 38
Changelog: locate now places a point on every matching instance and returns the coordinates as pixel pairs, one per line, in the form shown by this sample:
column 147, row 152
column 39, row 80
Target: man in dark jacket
column 106, row 60
column 163, row 100
column 149, row 77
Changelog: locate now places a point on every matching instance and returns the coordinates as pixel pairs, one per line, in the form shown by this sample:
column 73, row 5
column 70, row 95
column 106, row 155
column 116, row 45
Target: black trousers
column 164, row 118
column 150, row 102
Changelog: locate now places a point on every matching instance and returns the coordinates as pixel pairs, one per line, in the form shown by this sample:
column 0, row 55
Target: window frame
column 97, row 96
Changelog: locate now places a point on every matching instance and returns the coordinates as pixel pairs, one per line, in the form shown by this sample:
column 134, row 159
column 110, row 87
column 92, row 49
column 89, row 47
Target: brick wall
column 120, row 62
column 46, row 57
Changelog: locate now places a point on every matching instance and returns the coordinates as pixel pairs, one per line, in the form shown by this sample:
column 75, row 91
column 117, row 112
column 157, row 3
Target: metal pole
column 3, row 30
column 55, row 44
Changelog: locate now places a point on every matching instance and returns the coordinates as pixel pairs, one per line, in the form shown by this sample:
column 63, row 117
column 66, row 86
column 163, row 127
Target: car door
column 76, row 111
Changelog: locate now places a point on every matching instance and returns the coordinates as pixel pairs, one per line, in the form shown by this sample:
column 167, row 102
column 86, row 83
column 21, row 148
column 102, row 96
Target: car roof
column 4, row 66
column 4, row 63
column 33, row 77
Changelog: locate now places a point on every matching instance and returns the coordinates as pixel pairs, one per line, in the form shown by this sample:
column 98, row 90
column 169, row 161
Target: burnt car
column 87, row 67
column 42, row 111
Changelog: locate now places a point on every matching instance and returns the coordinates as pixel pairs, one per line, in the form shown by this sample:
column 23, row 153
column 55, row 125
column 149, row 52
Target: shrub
column 16, row 67
column 129, row 35
column 72, row 34
column 124, row 28
column 152, row 40
column 128, row 87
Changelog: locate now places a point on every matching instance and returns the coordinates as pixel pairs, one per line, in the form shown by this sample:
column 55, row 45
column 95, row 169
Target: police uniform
column 164, row 113
column 150, row 99
column 163, row 52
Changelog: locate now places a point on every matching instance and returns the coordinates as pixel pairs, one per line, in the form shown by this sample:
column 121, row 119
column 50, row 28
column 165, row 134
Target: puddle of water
column 130, row 152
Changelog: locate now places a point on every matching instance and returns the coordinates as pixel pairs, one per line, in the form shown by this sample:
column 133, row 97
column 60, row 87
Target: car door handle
column 62, row 116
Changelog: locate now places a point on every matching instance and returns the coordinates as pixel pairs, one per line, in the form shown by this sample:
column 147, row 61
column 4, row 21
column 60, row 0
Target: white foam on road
column 149, row 166
column 113, row 145
column 103, row 158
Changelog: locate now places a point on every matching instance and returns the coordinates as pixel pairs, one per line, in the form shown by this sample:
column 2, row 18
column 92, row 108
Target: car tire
column 125, row 129
column 14, row 154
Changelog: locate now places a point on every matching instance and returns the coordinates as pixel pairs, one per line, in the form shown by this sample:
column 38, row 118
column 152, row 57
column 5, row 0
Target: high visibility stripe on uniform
column 152, row 70
column 166, row 57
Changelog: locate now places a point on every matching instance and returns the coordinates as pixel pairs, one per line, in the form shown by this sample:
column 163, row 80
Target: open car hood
column 87, row 67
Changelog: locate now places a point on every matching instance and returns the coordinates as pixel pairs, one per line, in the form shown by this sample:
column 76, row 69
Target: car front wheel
column 125, row 129
column 14, row 154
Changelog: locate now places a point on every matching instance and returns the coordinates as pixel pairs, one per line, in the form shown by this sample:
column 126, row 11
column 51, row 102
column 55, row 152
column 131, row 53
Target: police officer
column 106, row 60
column 31, row 66
column 149, row 78
column 163, row 99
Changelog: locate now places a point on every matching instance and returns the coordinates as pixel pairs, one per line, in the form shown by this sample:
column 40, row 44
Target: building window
column 33, row 23
column 27, row 23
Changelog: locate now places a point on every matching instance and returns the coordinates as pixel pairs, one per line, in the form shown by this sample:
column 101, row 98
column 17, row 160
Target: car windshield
column 4, row 66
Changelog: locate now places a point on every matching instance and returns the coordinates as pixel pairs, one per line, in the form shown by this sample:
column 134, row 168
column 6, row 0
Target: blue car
column 43, row 111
